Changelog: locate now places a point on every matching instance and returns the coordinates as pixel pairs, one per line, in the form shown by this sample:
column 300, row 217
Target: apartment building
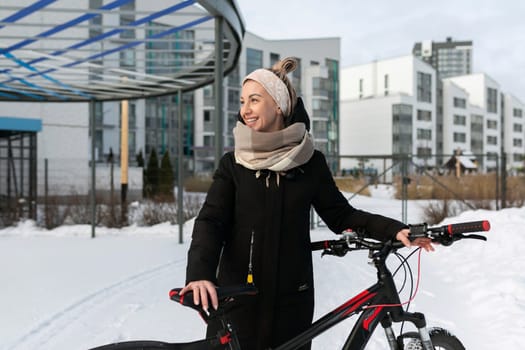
column 388, row 107
column 484, row 94
column 399, row 105
column 450, row 58
column 514, row 131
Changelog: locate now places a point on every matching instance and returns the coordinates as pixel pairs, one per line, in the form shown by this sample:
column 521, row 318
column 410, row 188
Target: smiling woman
column 254, row 226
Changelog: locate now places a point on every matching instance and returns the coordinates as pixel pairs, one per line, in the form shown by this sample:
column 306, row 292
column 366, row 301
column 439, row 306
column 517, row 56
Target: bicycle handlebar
column 445, row 235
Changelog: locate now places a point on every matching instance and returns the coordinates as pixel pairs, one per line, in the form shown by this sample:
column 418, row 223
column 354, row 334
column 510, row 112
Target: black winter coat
column 239, row 208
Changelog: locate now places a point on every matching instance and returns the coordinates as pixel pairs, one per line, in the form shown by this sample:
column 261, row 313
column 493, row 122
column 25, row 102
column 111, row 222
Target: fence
column 63, row 182
column 480, row 180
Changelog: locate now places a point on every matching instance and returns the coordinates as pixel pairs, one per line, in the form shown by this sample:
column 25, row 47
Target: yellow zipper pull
column 249, row 278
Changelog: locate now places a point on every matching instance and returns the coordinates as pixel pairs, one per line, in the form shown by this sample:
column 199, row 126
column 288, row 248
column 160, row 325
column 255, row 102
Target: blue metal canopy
column 54, row 50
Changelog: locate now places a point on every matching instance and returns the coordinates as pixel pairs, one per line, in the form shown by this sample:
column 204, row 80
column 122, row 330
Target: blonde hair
column 281, row 69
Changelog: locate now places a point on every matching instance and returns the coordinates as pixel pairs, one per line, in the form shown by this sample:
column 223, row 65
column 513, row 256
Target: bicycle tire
column 441, row 340
column 156, row 345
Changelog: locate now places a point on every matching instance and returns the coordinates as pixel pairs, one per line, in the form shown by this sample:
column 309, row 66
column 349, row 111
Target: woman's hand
column 425, row 243
column 203, row 292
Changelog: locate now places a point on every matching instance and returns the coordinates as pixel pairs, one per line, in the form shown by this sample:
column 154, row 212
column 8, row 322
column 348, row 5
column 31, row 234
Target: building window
column 386, row 84
column 274, row 58
column 492, row 124
column 492, row 100
column 170, row 54
column 424, row 115
column 492, row 140
column 460, row 102
column 208, row 140
column 254, row 60
column 460, row 137
column 460, row 120
column 424, row 87
column 518, row 157
column 234, row 78
column 401, row 129
column 233, row 100
column 208, row 91
column 517, row 142
column 424, row 134
column 360, row 88
column 423, row 152
column 517, row 127
column 320, row 129
column 517, row 112
column 207, row 116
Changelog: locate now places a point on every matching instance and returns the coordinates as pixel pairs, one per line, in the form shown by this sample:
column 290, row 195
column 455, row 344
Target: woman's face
column 258, row 109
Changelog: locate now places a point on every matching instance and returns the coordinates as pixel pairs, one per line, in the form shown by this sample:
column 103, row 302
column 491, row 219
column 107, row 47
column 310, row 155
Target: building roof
column 54, row 51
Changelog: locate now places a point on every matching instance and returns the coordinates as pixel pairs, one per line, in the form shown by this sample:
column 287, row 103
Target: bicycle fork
column 418, row 319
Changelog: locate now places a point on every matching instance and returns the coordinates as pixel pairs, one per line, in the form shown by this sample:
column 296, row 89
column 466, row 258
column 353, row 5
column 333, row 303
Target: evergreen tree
column 140, row 159
column 151, row 188
column 167, row 178
column 140, row 162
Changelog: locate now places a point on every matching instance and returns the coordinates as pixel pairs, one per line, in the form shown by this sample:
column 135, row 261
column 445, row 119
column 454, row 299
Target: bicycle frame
column 383, row 294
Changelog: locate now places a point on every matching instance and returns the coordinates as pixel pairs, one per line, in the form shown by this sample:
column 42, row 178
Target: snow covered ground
column 62, row 290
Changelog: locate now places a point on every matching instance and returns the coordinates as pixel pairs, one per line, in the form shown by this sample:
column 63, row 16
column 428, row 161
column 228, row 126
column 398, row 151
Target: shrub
column 352, row 184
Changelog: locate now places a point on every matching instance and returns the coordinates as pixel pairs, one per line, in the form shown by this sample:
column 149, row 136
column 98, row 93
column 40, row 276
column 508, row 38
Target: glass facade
column 492, row 100
column 476, row 133
column 401, row 129
column 254, row 59
column 162, row 125
column 450, row 58
column 424, row 87
column 167, row 55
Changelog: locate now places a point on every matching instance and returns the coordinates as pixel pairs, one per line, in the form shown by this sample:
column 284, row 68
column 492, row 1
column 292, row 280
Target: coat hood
column 299, row 115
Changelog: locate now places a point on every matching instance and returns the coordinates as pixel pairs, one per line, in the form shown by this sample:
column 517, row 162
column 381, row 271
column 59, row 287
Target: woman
column 254, row 224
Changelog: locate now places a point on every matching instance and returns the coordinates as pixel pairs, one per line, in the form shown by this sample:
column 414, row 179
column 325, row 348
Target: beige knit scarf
column 276, row 151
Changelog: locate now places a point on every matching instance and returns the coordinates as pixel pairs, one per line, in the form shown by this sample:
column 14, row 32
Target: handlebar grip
column 473, row 226
column 320, row 245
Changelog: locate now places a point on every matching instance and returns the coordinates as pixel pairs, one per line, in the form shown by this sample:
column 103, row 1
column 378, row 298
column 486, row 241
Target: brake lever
column 474, row 236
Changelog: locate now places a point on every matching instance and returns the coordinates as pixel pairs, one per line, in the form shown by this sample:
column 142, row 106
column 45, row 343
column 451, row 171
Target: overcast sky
column 381, row 29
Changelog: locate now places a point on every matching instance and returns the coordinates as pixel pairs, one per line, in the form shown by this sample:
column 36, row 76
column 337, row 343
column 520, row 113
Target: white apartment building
column 456, row 130
column 484, row 93
column 388, row 107
column 514, row 131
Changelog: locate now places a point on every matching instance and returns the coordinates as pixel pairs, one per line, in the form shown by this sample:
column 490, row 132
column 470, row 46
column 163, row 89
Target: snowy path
column 72, row 318
column 65, row 291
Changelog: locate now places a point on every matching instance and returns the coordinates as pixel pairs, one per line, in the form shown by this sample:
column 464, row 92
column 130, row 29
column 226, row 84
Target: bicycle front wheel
column 441, row 340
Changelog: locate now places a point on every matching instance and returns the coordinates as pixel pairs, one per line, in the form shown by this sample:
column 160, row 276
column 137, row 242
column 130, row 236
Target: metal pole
column 180, row 168
column 219, row 72
column 93, row 174
column 405, row 181
column 124, row 150
column 503, row 180
column 497, row 182
column 46, row 193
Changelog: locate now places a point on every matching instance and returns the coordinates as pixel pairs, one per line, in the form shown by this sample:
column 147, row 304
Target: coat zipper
column 249, row 278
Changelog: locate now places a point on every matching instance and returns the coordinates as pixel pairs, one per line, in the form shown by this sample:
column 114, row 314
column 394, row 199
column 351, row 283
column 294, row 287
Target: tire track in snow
column 48, row 329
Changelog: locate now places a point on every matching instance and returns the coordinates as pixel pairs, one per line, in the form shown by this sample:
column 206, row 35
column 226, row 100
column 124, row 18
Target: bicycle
column 378, row 304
